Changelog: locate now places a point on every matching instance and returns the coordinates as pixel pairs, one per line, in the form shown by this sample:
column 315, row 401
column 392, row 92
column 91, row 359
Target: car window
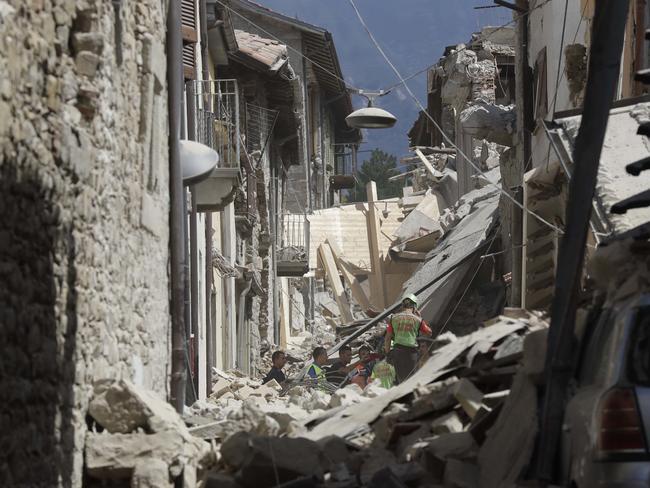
column 594, row 361
column 639, row 356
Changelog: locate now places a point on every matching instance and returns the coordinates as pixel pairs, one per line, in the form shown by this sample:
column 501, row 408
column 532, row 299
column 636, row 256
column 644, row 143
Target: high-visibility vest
column 320, row 373
column 406, row 327
column 385, row 373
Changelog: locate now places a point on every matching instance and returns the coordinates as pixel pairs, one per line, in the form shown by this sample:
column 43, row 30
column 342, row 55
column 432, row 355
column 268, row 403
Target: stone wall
column 84, row 236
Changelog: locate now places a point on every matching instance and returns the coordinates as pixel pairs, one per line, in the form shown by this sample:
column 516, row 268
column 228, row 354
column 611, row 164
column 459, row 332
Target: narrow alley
column 218, row 268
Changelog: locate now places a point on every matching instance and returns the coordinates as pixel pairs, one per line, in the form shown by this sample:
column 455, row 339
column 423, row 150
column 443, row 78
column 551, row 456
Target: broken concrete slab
column 116, row 455
column 220, row 387
column 120, row 407
column 446, row 424
column 509, row 444
column 469, row 397
column 269, row 461
column 151, row 473
column 421, row 221
column 459, row 445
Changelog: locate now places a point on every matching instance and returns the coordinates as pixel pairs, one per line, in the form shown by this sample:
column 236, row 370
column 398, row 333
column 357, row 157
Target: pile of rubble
column 139, row 439
column 239, row 404
column 451, row 424
column 466, row 418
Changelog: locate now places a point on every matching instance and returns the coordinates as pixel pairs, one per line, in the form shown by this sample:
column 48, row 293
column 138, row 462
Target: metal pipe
column 176, row 194
column 194, row 289
column 274, row 247
column 209, row 322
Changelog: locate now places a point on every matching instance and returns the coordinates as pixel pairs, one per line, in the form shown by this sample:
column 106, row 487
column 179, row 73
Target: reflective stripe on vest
column 320, row 374
column 405, row 329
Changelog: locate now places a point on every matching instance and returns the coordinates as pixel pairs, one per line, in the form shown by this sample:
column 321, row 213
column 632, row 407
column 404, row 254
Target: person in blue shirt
column 279, row 359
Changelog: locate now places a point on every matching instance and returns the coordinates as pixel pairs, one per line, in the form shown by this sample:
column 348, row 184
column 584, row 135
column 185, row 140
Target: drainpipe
column 194, row 291
column 176, row 194
column 209, row 322
column 525, row 126
column 274, row 252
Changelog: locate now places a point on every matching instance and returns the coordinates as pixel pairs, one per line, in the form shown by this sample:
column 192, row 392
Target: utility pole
column 525, row 127
column 604, row 67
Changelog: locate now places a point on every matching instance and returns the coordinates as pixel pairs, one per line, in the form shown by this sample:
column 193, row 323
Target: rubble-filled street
column 335, row 244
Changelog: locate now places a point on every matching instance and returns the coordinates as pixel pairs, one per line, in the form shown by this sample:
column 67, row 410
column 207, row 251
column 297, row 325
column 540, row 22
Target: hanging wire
column 299, row 53
column 464, row 48
column 339, row 78
column 260, row 122
column 442, row 132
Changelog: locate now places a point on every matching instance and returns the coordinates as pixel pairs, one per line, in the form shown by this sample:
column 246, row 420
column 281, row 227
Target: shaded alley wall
column 84, row 235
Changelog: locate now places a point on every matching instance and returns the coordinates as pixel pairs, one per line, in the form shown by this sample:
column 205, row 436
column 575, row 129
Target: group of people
column 406, row 347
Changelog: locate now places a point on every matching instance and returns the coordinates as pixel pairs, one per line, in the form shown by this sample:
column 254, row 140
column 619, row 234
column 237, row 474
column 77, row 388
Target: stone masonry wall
column 84, row 210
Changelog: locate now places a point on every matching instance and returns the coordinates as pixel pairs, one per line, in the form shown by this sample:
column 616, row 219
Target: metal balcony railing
column 213, row 118
column 293, row 248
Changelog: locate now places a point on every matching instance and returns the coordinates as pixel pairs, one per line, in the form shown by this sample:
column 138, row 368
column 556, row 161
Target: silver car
column 606, row 429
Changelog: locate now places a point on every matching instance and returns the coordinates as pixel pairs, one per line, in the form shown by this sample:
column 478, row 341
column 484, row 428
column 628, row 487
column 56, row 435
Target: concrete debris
column 120, row 407
column 270, row 461
column 143, row 440
column 447, row 425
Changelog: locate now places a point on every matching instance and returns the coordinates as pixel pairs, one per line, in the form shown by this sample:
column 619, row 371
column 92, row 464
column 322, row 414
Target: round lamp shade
column 197, row 161
column 370, row 118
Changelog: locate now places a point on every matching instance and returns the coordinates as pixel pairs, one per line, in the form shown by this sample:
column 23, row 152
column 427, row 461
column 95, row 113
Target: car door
column 593, row 369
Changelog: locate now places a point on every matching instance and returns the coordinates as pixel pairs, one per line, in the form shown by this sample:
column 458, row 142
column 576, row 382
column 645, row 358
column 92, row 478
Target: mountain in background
column 413, row 33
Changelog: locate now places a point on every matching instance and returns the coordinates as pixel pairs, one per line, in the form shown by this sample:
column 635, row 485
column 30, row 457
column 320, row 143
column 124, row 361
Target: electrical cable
column 497, row 29
column 442, row 132
column 349, row 85
column 243, row 17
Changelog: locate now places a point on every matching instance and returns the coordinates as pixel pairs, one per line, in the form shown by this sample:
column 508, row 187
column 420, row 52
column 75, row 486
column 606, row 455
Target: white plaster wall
column 545, row 30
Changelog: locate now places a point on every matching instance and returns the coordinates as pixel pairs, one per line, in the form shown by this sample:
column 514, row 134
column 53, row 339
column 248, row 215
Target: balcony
column 293, row 250
column 213, row 120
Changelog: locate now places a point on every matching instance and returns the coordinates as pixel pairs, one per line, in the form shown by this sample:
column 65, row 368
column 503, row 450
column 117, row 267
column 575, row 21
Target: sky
column 413, row 33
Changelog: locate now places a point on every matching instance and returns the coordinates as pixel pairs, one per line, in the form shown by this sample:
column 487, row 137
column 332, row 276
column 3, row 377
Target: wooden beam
column 377, row 291
column 335, row 281
column 427, row 164
column 353, row 283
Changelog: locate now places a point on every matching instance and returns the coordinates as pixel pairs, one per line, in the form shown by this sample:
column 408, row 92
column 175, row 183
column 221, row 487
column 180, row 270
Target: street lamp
column 197, row 161
column 371, row 117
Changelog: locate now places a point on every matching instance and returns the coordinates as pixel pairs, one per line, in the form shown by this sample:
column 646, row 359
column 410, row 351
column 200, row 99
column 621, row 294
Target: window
column 190, row 37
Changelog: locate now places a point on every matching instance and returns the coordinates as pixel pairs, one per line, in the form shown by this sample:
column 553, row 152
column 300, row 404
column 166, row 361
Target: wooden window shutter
column 190, row 37
column 541, row 90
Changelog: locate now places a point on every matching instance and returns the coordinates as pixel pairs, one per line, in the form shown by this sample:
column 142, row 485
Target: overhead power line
column 437, row 126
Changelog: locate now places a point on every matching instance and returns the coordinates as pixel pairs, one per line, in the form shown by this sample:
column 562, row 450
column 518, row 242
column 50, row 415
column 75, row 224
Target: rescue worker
column 403, row 329
column 384, row 372
column 316, row 371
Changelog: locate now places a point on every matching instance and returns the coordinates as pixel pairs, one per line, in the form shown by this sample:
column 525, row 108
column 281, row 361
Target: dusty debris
column 446, row 425
column 143, row 439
